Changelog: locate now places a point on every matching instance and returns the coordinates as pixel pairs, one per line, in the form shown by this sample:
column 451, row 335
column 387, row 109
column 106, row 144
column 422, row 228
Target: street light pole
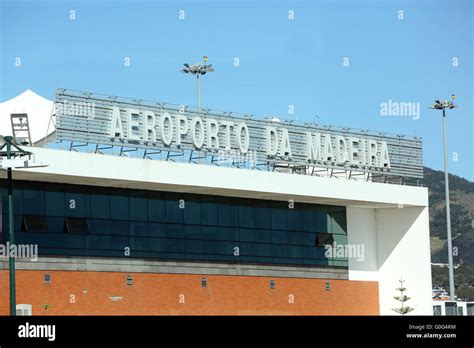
column 442, row 105
column 198, row 70
column 9, row 143
column 452, row 295
column 199, row 92
column 11, row 259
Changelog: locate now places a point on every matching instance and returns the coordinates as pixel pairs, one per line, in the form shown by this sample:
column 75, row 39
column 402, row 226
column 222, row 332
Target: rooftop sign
column 97, row 119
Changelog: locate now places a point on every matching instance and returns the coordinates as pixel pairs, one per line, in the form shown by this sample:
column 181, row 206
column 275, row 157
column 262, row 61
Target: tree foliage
column 404, row 309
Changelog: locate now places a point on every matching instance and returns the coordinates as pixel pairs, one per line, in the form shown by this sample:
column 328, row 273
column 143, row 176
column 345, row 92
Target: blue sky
column 282, row 61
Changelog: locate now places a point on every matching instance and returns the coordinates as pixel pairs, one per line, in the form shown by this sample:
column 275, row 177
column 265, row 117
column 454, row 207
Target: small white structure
column 441, row 307
column 38, row 109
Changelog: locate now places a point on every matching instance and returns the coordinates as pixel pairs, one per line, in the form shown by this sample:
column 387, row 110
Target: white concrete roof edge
column 108, row 167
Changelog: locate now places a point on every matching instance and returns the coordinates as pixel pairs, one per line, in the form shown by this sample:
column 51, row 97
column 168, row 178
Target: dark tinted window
column 54, row 203
column 278, row 217
column 138, row 207
column 246, row 215
column 293, row 219
column 192, row 212
column 156, row 207
column 33, row 201
column 323, row 239
column 32, row 223
column 76, row 204
column 100, row 206
column 175, row 206
column 76, row 225
column 119, row 209
column 99, row 226
column 226, row 213
column 208, row 211
column 97, row 221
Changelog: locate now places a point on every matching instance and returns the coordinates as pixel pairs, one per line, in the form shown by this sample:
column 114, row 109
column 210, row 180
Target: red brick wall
column 159, row 294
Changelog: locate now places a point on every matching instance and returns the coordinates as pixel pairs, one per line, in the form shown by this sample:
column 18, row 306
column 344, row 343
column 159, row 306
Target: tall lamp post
column 13, row 159
column 198, row 70
column 443, row 105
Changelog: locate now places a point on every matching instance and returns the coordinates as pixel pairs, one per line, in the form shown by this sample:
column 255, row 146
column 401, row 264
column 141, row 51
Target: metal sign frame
column 86, row 118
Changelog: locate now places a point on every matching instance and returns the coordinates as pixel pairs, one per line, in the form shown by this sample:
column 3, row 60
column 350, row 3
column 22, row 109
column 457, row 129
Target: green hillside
column 462, row 226
column 462, row 216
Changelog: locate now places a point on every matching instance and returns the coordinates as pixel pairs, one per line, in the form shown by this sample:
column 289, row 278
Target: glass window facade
column 97, row 221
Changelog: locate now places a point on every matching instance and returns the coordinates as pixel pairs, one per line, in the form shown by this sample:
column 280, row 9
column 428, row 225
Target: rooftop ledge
column 123, row 172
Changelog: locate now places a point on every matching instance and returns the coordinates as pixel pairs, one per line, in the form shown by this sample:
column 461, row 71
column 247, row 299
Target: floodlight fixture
column 198, row 69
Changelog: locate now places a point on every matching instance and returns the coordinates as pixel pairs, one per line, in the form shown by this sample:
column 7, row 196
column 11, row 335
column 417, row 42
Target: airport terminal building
column 145, row 208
